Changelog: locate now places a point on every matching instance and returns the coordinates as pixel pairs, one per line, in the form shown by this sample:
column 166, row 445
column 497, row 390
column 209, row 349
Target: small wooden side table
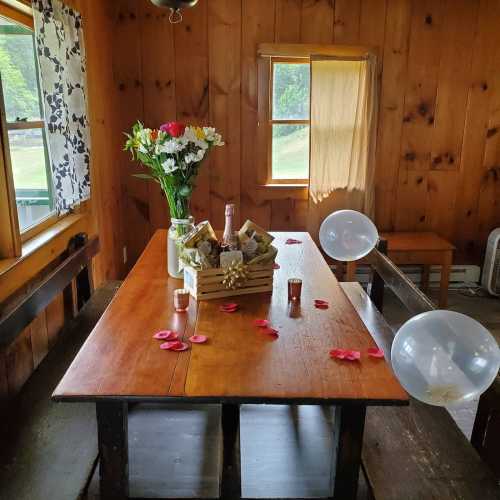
column 424, row 249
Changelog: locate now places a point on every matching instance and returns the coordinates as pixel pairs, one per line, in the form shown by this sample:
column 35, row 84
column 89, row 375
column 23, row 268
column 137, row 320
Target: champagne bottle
column 228, row 238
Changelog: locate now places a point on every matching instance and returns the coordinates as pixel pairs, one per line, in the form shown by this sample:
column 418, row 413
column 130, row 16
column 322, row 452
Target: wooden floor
column 175, row 452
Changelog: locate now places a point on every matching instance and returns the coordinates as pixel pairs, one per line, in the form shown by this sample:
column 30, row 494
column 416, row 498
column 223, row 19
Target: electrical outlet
column 125, row 258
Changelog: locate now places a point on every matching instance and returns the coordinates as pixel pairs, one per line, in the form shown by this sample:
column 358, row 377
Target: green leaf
column 144, row 176
column 185, row 191
column 143, row 158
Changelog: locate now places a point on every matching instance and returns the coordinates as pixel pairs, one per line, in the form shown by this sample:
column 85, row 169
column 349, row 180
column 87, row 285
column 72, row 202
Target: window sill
column 38, row 251
column 269, row 192
column 284, row 186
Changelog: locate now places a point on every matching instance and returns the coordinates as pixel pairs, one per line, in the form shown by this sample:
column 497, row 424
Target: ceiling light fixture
column 175, row 7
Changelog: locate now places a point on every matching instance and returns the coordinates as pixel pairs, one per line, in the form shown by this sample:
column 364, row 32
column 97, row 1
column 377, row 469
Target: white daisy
column 169, row 166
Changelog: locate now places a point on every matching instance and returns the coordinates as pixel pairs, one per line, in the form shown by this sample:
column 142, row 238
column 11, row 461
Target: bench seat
column 52, row 448
column 416, row 452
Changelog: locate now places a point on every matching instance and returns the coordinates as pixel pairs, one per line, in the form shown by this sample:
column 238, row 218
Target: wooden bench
column 416, row 452
column 50, row 449
column 422, row 248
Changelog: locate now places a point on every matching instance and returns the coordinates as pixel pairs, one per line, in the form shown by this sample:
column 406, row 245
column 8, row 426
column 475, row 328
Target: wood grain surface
column 121, row 360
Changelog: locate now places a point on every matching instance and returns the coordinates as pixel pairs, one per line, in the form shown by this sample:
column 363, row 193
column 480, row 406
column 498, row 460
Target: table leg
column 351, row 271
column 426, row 271
column 349, row 425
column 230, row 488
column 112, row 431
column 445, row 279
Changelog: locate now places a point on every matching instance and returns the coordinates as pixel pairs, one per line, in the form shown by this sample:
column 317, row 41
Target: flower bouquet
column 173, row 155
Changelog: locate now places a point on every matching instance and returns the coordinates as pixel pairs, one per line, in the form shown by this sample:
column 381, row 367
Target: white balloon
column 347, row 235
column 445, row 358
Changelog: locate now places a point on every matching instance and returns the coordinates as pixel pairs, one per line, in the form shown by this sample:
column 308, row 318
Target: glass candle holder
column 294, row 309
column 294, row 288
column 181, row 299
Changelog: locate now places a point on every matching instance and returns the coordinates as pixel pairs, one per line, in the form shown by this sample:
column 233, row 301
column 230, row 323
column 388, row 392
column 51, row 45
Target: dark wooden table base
column 112, row 420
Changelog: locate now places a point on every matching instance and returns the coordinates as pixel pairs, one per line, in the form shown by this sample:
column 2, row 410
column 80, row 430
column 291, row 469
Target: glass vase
column 178, row 228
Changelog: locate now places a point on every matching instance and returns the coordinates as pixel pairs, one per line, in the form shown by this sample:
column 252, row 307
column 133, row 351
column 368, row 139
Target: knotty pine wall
column 438, row 159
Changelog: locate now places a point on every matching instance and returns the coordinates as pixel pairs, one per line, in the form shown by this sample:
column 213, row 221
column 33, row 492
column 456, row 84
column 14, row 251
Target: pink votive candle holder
column 181, row 300
column 294, row 288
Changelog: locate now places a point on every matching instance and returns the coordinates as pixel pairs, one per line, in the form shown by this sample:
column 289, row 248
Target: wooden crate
column 203, row 285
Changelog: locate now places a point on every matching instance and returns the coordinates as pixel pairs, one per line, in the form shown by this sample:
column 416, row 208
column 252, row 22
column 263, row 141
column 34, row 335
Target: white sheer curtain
column 344, row 107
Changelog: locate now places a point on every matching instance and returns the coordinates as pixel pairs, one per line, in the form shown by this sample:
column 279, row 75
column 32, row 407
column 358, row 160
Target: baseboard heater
column 461, row 276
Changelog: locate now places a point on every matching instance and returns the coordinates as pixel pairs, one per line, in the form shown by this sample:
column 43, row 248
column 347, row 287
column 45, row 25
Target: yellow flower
column 200, row 134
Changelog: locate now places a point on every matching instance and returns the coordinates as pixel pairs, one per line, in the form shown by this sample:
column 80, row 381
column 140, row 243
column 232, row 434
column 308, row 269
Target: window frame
column 12, row 237
column 262, row 190
column 269, row 178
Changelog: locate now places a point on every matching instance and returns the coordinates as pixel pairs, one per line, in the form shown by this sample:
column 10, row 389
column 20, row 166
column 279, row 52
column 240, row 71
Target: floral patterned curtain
column 61, row 57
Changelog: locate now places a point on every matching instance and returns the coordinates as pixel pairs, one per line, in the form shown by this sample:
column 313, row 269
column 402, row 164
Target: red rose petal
column 166, row 335
column 338, row 353
column 276, row 266
column 261, row 323
column 270, row 331
column 198, row 339
column 353, row 355
column 321, row 306
column 230, row 307
column 319, row 302
column 169, row 346
column 292, row 241
column 182, row 347
column 345, row 354
column 375, row 352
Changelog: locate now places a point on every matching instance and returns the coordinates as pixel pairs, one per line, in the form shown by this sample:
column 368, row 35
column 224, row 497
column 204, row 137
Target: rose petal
column 321, row 306
column 182, row 347
column 319, row 302
column 375, row 352
column 292, row 241
column 261, row 323
column 276, row 266
column 166, row 335
column 230, row 307
column 338, row 353
column 345, row 354
column 270, row 331
column 353, row 355
column 198, row 339
column 169, row 346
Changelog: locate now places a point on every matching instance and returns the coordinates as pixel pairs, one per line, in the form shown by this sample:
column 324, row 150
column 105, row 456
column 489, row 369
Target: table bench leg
column 230, row 488
column 445, row 279
column 349, row 425
column 112, row 431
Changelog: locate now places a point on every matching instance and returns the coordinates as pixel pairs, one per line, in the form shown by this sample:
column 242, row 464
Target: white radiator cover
column 460, row 275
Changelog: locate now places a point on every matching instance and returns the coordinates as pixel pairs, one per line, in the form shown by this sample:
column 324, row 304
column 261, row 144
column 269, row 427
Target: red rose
column 175, row 129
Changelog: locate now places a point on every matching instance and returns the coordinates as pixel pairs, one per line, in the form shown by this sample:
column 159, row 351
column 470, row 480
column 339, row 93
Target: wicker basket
column 203, row 285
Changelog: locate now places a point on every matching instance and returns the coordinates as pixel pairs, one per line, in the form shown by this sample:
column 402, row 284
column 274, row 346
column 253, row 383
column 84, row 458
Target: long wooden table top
column 121, row 360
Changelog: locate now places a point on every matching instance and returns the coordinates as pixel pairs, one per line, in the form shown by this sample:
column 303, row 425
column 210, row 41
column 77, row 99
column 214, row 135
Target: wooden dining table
column 121, row 363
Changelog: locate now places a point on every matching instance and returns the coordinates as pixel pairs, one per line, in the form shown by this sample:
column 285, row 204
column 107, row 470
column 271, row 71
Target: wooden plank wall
column 438, row 158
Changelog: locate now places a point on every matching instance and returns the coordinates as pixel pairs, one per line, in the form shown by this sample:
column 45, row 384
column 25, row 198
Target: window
column 24, row 123
column 288, row 160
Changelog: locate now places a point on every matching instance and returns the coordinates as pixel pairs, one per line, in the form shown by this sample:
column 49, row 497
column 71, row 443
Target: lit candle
column 294, row 288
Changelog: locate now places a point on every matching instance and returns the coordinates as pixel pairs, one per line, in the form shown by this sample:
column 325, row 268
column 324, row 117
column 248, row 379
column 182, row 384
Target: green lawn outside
column 28, row 165
column 291, row 155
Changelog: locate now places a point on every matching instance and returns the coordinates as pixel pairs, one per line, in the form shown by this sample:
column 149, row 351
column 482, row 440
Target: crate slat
column 208, row 284
column 213, row 287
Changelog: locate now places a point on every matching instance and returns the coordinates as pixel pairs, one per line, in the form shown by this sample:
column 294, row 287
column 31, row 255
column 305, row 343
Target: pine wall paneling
column 438, row 144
